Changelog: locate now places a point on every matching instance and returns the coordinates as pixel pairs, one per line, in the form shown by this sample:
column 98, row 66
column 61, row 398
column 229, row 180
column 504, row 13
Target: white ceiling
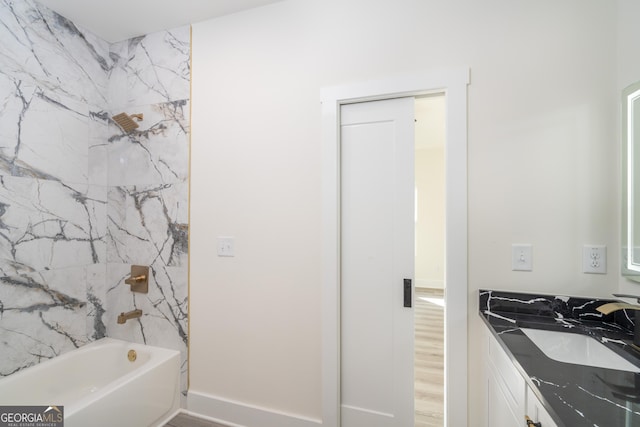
column 117, row 20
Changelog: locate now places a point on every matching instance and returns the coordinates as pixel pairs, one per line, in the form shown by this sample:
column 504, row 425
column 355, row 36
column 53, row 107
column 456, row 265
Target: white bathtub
column 98, row 385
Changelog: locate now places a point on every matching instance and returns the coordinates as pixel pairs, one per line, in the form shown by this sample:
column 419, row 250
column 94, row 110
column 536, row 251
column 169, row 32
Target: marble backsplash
column 80, row 201
column 567, row 310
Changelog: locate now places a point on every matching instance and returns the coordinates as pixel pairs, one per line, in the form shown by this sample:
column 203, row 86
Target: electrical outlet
column 521, row 257
column 594, row 259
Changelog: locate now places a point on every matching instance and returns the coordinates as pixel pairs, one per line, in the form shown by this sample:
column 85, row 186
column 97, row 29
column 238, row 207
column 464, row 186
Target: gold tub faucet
column 134, row 314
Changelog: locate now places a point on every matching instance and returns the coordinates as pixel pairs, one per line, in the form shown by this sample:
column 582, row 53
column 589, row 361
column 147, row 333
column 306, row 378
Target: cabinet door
column 507, row 376
column 506, row 391
column 536, row 411
column 500, row 412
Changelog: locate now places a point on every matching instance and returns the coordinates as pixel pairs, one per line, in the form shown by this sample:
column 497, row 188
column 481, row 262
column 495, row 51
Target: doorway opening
column 453, row 82
column 430, row 213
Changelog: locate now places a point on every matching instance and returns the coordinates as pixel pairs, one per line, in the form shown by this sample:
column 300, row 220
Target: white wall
column 430, row 224
column 430, row 137
column 542, row 165
column 628, row 42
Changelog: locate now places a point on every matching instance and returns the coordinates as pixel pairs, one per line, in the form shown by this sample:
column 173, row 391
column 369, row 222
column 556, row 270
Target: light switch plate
column 226, row 246
column 522, row 257
column 594, row 259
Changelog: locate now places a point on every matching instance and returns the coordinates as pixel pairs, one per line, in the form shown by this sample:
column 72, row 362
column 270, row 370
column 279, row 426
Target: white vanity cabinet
column 506, row 389
column 536, row 411
column 509, row 398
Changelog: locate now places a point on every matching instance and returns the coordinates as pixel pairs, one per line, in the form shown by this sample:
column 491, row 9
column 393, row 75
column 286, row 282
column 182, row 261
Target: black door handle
column 407, row 292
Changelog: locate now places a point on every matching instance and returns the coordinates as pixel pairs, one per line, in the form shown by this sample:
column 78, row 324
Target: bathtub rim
column 157, row 356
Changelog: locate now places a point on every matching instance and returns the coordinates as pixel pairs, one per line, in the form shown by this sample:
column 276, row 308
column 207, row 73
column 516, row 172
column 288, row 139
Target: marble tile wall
column 147, row 193
column 53, row 216
column 80, row 201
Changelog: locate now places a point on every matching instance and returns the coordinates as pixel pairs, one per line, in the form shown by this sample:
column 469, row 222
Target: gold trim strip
column 189, row 210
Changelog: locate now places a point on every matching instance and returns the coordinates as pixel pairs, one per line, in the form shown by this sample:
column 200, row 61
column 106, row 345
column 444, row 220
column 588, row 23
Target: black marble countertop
column 574, row 395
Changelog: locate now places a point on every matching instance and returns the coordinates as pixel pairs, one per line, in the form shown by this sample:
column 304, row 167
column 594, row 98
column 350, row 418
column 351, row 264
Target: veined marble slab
column 151, row 69
column 156, row 152
column 80, row 201
column 43, row 49
column 148, row 224
column 43, row 315
column 46, row 225
column 46, row 138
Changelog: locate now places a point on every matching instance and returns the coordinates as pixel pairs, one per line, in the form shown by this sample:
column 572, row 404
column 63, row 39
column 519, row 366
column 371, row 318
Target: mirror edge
column 626, row 170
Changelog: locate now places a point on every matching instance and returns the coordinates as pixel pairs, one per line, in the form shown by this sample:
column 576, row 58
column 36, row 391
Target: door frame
column 452, row 82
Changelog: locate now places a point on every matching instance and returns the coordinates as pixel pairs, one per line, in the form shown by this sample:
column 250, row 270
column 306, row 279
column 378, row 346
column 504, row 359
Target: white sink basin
column 577, row 349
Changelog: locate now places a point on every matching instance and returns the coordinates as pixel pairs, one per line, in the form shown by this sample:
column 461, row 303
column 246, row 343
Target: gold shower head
column 126, row 122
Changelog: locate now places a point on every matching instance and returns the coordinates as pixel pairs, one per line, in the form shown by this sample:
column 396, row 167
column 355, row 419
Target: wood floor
column 429, row 359
column 429, row 366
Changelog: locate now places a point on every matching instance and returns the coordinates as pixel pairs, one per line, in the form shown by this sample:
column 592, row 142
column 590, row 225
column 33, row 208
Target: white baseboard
column 240, row 414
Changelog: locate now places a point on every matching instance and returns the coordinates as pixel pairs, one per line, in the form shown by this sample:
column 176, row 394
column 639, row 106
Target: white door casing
column 377, row 246
column 452, row 82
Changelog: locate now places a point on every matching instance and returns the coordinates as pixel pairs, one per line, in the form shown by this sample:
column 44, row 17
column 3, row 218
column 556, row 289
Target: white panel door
column 377, row 255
